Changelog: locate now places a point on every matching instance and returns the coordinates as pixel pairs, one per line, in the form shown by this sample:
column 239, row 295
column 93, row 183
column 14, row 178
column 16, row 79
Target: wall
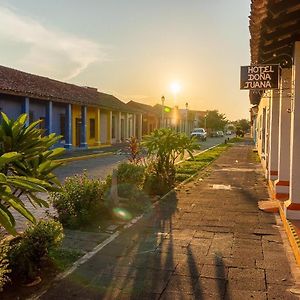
column 103, row 126
column 76, row 113
column 91, row 114
column 11, row 105
column 262, row 130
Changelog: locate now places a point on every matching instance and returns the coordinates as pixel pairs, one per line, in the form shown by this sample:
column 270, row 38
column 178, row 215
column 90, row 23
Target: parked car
column 220, row 133
column 199, row 133
column 213, row 133
column 228, row 132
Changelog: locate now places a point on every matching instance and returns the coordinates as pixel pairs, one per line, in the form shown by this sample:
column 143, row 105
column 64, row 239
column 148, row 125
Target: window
column 92, row 128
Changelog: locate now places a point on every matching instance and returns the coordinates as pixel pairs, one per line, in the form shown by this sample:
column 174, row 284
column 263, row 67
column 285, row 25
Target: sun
column 175, row 87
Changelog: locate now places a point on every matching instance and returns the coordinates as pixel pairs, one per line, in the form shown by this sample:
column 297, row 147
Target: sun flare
column 175, row 87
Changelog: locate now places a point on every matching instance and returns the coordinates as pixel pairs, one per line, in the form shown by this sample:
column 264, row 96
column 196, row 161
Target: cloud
column 128, row 97
column 47, row 51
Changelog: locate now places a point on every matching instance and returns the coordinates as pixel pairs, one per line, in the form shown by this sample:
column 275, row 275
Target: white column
column 140, row 126
column 134, row 125
column 118, row 135
column 109, row 128
column 97, row 127
column 292, row 206
column 127, row 133
column 273, row 137
column 282, row 183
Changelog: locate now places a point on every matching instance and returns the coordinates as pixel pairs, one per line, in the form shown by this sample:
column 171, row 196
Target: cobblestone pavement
column 207, row 240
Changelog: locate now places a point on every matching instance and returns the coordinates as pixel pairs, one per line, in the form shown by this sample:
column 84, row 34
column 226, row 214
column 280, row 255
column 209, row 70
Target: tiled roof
column 28, row 85
column 274, row 27
column 144, row 108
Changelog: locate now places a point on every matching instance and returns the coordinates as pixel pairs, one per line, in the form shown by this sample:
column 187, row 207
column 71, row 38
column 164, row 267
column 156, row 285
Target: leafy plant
column 128, row 173
column 26, row 165
column 130, row 180
column 4, row 263
column 27, row 250
column 164, row 147
column 80, row 200
column 134, row 150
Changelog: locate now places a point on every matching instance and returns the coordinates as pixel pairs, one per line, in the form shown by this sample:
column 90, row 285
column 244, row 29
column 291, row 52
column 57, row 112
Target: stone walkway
column 207, row 240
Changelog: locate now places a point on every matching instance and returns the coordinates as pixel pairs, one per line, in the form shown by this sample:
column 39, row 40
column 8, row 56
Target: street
column 102, row 166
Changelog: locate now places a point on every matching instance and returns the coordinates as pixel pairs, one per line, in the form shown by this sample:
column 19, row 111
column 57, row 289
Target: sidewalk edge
column 291, row 234
column 83, row 157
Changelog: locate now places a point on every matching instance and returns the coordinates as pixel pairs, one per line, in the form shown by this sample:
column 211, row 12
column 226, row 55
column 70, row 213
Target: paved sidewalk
column 207, row 240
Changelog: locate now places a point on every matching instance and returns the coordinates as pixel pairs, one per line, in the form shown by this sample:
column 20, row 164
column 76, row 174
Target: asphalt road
column 102, row 166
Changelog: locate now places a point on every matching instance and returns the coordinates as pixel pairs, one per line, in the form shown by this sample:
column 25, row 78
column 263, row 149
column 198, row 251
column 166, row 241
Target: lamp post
column 162, row 111
column 175, row 118
column 205, row 121
column 186, row 118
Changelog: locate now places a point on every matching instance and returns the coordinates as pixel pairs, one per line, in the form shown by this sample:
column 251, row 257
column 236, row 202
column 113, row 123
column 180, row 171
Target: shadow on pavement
column 150, row 260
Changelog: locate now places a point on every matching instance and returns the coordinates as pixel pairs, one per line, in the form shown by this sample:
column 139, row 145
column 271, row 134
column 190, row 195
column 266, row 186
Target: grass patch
column 181, row 177
column 190, row 167
column 62, row 258
column 236, row 140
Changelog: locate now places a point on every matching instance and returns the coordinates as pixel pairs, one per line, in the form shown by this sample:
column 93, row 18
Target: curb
column 83, row 157
column 291, row 234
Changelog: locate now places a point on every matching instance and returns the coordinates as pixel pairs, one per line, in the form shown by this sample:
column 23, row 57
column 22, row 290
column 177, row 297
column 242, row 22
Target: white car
column 220, row 133
column 199, row 133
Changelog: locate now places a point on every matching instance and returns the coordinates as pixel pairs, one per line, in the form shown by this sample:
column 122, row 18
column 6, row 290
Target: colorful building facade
column 275, row 114
column 82, row 115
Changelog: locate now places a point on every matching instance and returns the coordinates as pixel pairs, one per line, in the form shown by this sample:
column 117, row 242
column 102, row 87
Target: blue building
column 82, row 115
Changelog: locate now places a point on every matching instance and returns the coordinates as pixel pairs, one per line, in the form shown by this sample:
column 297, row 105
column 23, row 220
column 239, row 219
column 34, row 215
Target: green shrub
column 130, row 178
column 131, row 174
column 80, row 201
column 4, row 264
column 27, row 251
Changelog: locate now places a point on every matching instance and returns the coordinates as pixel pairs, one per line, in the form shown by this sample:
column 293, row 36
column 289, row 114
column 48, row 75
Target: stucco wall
column 262, row 130
column 11, row 105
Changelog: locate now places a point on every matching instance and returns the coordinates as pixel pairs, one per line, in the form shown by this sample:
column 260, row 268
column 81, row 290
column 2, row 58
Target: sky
column 135, row 49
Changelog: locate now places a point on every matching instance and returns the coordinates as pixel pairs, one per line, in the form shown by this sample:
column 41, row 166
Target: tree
column 164, row 146
column 243, row 124
column 26, row 165
column 215, row 120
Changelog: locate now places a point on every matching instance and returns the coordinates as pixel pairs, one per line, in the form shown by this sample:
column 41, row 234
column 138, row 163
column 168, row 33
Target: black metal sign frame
column 260, row 77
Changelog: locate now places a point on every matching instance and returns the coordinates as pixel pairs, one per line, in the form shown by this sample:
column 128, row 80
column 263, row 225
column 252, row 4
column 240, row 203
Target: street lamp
column 186, row 118
column 162, row 111
column 205, row 116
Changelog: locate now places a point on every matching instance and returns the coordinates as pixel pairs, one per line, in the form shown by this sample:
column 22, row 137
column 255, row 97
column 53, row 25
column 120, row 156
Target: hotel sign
column 259, row 77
